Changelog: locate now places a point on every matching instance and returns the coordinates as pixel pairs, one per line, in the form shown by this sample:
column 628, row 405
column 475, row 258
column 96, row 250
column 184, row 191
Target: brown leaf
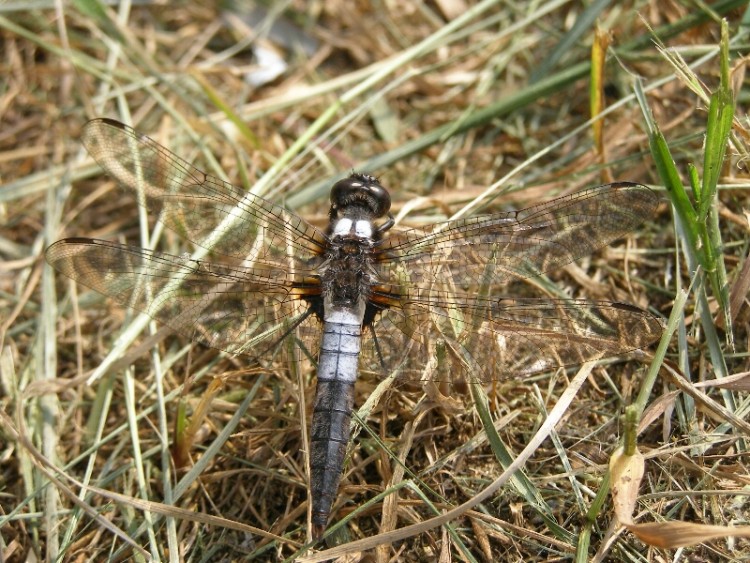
column 736, row 382
column 626, row 472
column 680, row 534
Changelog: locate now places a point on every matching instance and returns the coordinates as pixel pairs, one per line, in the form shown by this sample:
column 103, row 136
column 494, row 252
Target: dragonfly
column 419, row 304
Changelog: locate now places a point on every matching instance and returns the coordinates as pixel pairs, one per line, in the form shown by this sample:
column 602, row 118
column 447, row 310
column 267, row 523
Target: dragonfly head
column 359, row 195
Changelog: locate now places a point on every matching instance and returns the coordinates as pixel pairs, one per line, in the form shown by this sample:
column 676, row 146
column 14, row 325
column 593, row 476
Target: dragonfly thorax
column 347, row 273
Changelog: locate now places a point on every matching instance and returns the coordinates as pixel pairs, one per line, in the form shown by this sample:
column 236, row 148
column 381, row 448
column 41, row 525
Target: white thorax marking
column 362, row 228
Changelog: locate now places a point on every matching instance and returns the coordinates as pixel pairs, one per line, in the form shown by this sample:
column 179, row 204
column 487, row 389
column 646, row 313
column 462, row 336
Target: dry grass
column 481, row 101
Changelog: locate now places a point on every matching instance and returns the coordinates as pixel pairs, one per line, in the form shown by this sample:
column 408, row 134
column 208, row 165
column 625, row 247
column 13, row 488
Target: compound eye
column 383, row 199
column 343, row 190
column 360, row 190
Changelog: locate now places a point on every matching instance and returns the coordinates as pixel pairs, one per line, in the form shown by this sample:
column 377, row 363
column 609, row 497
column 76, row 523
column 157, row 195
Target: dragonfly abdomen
column 332, row 412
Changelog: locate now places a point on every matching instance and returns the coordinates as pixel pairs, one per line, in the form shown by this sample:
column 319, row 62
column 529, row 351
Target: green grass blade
column 520, row 482
column 581, row 26
column 719, row 127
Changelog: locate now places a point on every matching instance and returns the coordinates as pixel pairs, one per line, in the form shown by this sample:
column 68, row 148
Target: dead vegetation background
column 505, row 95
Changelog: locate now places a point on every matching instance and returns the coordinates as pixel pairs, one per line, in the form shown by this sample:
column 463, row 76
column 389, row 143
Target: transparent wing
column 492, row 339
column 201, row 208
column 486, row 252
column 232, row 308
column 441, row 290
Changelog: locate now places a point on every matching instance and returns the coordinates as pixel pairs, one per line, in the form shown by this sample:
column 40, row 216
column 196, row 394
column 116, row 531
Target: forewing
column 489, row 251
column 203, row 209
column 492, row 339
column 236, row 309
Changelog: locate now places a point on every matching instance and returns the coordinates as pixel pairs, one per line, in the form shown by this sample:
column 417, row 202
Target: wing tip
column 63, row 247
column 643, row 192
column 75, row 240
column 107, row 121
